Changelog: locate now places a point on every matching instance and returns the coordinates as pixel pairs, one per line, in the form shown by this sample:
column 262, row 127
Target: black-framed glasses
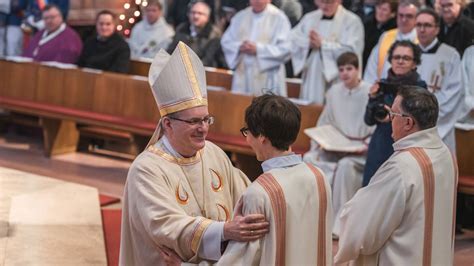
column 424, row 25
column 196, row 121
column 405, row 58
column 244, row 131
column 393, row 114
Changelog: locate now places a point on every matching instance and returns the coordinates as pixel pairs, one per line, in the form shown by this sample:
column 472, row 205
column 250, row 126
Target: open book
column 331, row 139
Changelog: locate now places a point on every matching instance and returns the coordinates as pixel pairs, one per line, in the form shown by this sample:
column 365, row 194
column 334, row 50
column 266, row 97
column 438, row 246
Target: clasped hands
column 315, row 40
column 248, row 47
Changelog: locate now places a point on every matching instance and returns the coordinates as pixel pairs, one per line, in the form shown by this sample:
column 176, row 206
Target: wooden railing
column 64, row 97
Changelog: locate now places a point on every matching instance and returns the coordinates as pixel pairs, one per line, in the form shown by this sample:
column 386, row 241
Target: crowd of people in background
column 341, row 49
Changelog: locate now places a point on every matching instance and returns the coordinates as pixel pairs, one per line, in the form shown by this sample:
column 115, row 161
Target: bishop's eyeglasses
column 209, row 120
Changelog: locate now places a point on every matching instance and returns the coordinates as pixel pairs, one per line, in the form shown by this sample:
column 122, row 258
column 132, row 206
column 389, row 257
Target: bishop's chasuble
column 296, row 200
column 170, row 201
column 406, row 215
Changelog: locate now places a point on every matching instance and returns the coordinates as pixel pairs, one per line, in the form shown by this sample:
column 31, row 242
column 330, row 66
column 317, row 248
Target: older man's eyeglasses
column 209, row 120
column 244, row 131
column 393, row 114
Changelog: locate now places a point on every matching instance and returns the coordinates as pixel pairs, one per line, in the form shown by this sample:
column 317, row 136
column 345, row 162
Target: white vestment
column 147, row 39
column 344, row 110
column 265, row 71
column 468, row 78
column 174, row 202
column 371, row 70
column 296, row 201
column 405, row 216
column 441, row 69
column 343, row 33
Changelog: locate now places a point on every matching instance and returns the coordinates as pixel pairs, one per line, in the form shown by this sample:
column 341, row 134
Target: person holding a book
column 344, row 112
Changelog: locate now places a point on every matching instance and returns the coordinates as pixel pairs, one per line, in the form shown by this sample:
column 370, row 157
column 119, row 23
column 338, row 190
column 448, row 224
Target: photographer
column 404, row 56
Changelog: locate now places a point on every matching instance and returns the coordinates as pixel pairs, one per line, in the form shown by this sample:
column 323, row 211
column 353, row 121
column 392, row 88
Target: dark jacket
column 373, row 33
column 112, row 54
column 207, row 44
column 380, row 146
column 460, row 35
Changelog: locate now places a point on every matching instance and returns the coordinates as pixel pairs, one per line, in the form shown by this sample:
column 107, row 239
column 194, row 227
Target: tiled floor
column 108, row 175
column 47, row 221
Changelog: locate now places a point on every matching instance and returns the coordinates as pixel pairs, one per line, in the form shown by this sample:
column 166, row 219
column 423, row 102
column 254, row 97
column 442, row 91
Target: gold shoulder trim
column 197, row 234
column 170, row 158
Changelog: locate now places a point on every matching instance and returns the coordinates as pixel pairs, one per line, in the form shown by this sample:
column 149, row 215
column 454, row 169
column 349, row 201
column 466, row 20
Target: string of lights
column 131, row 14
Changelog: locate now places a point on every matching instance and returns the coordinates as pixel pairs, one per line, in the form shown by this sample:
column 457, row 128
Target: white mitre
column 178, row 82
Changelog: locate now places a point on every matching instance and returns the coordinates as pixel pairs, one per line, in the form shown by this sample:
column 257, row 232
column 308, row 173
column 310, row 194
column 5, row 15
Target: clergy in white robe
column 440, row 68
column 468, row 78
column 294, row 196
column 344, row 110
column 180, row 192
column 256, row 46
column 338, row 30
column 406, row 215
column 378, row 65
column 151, row 34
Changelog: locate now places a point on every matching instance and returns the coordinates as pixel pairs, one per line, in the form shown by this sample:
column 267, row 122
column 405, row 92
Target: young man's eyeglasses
column 209, row 120
column 244, row 131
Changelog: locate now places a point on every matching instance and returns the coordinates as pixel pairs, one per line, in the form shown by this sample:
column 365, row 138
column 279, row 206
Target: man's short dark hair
column 420, row 104
column 348, row 58
column 274, row 117
column 52, row 6
column 432, row 13
column 392, row 3
column 106, row 12
column 416, row 3
column 155, row 3
column 406, row 43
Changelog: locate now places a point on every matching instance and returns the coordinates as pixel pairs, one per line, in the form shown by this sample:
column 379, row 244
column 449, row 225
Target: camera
column 385, row 89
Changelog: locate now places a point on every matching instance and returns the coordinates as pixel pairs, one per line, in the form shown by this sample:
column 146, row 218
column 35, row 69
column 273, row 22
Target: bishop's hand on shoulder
column 245, row 228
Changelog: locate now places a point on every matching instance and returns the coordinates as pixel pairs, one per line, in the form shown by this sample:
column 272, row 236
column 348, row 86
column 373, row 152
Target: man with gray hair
column 406, row 215
column 377, row 64
column 201, row 35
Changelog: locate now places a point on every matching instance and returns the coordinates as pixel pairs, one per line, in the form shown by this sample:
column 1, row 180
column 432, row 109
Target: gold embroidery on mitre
column 226, row 211
column 182, row 195
column 176, row 107
column 216, row 180
column 189, row 70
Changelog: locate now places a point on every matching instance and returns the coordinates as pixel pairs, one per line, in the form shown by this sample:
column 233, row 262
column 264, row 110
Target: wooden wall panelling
column 138, row 101
column 20, row 79
column 465, row 152
column 108, row 93
column 51, row 85
column 229, row 110
column 309, row 117
column 79, row 87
